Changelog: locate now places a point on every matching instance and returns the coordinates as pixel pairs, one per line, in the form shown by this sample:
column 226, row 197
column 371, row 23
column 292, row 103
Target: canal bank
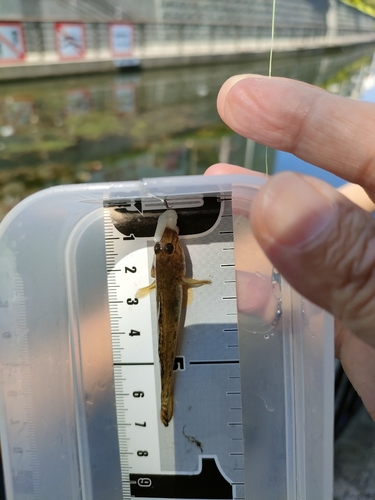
column 44, row 38
column 38, row 49
column 168, row 55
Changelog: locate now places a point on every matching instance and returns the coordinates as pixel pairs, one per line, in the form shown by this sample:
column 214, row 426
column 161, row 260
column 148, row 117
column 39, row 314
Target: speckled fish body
column 169, row 269
column 169, row 273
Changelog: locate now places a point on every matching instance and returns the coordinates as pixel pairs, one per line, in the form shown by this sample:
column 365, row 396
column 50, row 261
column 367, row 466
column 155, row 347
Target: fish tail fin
column 166, row 412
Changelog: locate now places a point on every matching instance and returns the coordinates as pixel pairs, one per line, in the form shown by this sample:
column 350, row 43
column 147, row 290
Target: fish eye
column 168, row 248
column 157, row 248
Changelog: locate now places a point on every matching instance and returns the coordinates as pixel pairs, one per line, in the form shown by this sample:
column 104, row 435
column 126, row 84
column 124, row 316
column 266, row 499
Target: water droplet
column 202, row 90
column 259, row 275
column 266, row 336
column 269, row 406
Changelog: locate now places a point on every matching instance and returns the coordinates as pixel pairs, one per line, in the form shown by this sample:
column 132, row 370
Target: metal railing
column 181, row 39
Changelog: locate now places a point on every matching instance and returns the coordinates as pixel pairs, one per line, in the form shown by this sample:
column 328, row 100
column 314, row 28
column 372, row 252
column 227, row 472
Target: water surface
column 127, row 126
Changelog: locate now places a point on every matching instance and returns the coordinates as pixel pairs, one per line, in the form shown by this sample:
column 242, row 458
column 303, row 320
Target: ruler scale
column 203, row 444
column 18, row 413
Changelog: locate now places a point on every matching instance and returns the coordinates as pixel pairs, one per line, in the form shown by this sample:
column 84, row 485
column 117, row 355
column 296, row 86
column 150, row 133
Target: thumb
column 323, row 244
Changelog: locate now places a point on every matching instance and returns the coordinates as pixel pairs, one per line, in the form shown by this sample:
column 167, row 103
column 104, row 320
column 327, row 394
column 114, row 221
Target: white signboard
column 12, row 46
column 70, row 40
column 121, row 39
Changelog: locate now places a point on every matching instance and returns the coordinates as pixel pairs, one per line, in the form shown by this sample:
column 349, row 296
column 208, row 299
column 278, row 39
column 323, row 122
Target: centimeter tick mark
column 132, row 364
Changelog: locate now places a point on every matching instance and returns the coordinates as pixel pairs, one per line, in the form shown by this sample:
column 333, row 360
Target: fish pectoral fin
column 189, row 296
column 142, row 292
column 191, row 282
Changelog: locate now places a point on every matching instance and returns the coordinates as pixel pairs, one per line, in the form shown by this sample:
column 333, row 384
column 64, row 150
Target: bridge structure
column 55, row 37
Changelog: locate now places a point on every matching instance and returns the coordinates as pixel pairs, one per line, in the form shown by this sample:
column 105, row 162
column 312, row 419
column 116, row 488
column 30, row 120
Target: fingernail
column 293, row 211
column 230, row 83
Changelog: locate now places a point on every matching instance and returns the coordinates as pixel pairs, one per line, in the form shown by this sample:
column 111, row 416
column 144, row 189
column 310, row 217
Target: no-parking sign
column 70, row 40
column 121, row 39
column 12, row 46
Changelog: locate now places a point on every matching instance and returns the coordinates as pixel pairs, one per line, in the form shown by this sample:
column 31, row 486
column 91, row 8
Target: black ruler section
column 130, row 220
column 208, row 483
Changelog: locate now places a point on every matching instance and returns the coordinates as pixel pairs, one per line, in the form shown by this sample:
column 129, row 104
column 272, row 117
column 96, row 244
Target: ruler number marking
column 140, row 425
column 132, row 269
column 134, row 332
column 145, row 482
column 138, row 394
column 179, row 363
column 132, row 302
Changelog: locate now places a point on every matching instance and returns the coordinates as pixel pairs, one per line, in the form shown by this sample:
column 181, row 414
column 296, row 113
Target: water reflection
column 133, row 125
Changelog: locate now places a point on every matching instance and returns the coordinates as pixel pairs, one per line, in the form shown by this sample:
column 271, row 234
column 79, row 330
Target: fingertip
column 226, row 87
column 292, row 212
column 217, row 169
column 227, row 169
column 322, row 244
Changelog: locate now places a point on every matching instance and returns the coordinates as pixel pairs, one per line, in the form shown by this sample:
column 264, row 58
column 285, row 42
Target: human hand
column 322, row 243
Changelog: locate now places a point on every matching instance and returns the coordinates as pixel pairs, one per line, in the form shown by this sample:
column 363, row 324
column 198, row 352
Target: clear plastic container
column 255, row 376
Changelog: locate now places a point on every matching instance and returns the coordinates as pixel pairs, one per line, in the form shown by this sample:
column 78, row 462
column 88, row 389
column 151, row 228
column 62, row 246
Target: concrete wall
column 100, row 10
column 227, row 12
column 31, row 8
column 144, row 10
column 10, row 9
column 353, row 19
column 302, row 13
column 288, row 12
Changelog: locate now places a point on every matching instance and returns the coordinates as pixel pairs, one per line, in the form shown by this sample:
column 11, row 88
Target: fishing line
column 270, row 63
column 272, row 38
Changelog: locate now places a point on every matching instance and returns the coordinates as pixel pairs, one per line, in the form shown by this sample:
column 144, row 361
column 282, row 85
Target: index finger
column 330, row 131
